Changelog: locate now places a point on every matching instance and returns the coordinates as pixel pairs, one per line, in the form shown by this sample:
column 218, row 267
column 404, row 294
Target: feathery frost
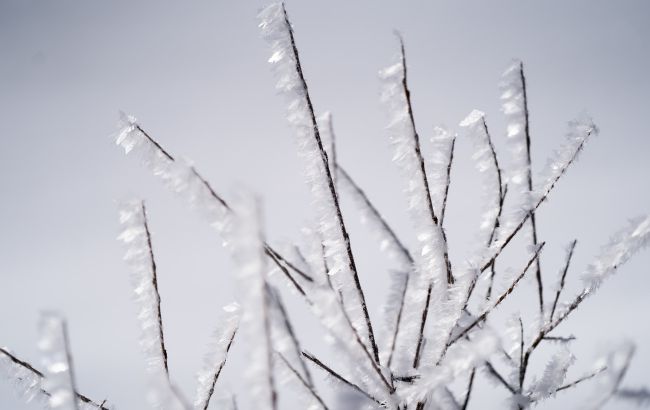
column 430, row 264
column 58, row 376
column 215, row 359
column 486, row 163
column 178, row 175
column 139, row 257
column 514, row 107
column 442, row 145
column 26, row 380
column 554, row 375
column 619, row 250
column 579, row 132
column 278, row 33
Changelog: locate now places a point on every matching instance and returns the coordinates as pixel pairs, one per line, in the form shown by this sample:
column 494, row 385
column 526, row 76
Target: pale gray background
column 195, row 75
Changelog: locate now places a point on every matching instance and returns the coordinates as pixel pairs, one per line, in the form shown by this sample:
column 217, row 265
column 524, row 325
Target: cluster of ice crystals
column 621, row 247
column 138, row 257
column 554, row 375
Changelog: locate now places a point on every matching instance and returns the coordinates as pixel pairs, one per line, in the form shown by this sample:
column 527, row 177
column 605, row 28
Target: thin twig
column 340, row 378
column 308, row 384
column 500, row 378
column 220, row 366
column 292, row 335
column 507, row 292
column 154, row 283
column 447, row 182
column 469, row 389
column 564, row 272
column 68, row 358
column 529, row 177
column 418, row 154
column 271, row 252
column 582, row 379
column 27, row 366
column 543, row 198
column 423, row 322
column 330, row 182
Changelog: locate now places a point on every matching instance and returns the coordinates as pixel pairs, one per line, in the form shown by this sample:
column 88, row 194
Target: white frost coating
column 217, row 353
column 441, row 145
column 554, row 375
column 513, row 106
column 474, row 124
column 25, row 382
column 245, row 242
column 430, row 266
column 619, row 250
column 138, row 258
column 177, row 174
column 58, row 376
column 276, row 31
column 580, row 130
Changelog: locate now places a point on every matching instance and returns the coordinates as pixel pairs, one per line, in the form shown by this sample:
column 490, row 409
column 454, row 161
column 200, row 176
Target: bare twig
column 469, row 389
column 582, row 379
column 564, row 272
column 447, row 182
column 500, row 378
column 340, row 378
column 308, row 384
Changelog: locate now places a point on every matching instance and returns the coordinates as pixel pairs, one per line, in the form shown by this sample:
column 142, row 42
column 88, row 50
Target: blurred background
column 195, row 74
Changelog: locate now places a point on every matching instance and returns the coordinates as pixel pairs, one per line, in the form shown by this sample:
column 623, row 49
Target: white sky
column 195, row 75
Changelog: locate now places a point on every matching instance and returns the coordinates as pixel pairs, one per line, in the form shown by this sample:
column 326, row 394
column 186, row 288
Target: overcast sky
column 195, row 75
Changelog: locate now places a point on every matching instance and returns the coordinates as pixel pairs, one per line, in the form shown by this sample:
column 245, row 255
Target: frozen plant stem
column 332, row 188
column 529, row 177
column 154, row 282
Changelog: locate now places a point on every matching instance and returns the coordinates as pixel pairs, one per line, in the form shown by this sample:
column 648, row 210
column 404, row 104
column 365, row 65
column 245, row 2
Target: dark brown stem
column 564, row 272
column 307, row 384
column 447, row 182
column 271, row 252
column 25, row 365
column 398, row 320
column 420, row 158
column 423, row 322
column 330, row 182
column 374, row 366
column 521, row 352
column 500, row 378
column 529, row 177
column 154, row 283
column 340, row 378
column 469, row 389
column 220, row 366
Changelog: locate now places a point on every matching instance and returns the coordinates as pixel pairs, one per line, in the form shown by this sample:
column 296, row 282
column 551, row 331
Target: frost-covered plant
column 437, row 333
